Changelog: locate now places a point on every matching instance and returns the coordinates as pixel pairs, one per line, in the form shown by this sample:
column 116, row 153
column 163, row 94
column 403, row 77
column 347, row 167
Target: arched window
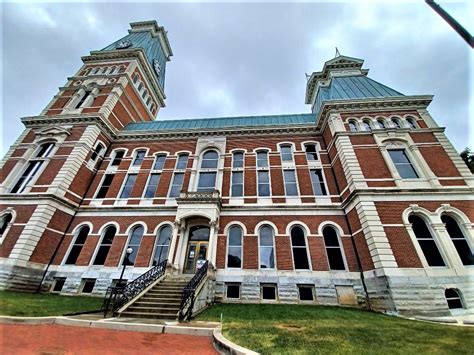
column 98, row 151
column 159, row 162
column 145, row 94
column 208, row 171
column 162, row 245
column 263, row 174
column 111, row 71
column 5, row 223
column 238, row 159
column 396, row 123
column 286, row 152
column 136, row 78
column 33, row 167
column 381, row 123
column 453, row 298
column 267, row 249
column 298, row 245
column 459, row 240
column 105, row 245
column 77, row 246
column 95, row 71
column 367, row 125
column 425, row 240
column 311, row 152
column 118, row 156
column 134, row 243
column 353, row 126
column 140, row 86
column 139, row 156
column 104, row 70
column 411, row 123
column 182, row 161
column 234, row 247
column 333, row 249
column 121, row 69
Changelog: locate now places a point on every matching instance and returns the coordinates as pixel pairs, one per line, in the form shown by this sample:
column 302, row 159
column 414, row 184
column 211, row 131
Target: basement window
column 233, row 291
column 453, row 298
column 88, row 285
column 305, row 292
column 58, row 284
column 269, row 292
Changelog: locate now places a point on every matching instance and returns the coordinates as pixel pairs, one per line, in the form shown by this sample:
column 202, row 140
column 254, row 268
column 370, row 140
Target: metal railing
column 189, row 293
column 117, row 297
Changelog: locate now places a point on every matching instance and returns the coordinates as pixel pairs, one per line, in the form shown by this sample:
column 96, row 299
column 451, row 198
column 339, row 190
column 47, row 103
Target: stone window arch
column 79, row 241
column 425, row 238
column 208, row 170
column 396, row 123
column 6, row 221
column 411, row 123
column 353, row 126
column 382, row 123
column 367, row 125
column 105, row 244
column 458, row 238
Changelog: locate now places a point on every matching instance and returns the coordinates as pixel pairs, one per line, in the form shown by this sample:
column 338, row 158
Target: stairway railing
column 189, row 291
column 117, row 297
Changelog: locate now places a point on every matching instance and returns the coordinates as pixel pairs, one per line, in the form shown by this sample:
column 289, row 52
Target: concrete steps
column 162, row 301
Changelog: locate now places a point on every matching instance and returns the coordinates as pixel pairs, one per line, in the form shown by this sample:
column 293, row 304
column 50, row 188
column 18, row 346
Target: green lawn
column 45, row 304
column 297, row 329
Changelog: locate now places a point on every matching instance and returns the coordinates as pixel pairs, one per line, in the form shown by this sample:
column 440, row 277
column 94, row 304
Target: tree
column 468, row 158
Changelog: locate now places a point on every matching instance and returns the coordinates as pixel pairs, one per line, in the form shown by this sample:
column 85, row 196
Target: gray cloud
column 240, row 58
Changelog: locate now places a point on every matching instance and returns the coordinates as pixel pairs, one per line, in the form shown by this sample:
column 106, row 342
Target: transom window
column 159, row 162
column 162, row 245
column 234, row 249
column 458, row 239
column 33, row 167
column 78, row 244
column 286, row 152
column 139, row 156
column 311, row 153
column 402, row 163
column 298, row 245
column 105, row 245
column 333, row 249
column 134, row 242
column 426, row 241
column 267, row 250
column 210, row 160
column 182, row 161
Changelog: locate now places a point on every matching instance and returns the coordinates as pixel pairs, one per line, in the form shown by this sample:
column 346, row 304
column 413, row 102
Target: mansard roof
column 223, row 122
column 352, row 87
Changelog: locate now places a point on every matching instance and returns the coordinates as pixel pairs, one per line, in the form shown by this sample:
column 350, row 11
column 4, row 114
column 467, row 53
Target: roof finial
column 307, row 76
column 337, row 53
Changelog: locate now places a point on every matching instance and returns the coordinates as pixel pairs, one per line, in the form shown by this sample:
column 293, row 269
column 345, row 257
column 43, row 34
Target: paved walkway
column 58, row 339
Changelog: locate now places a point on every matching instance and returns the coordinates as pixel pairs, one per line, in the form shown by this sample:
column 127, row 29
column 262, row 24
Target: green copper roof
column 223, row 122
column 150, row 45
column 352, row 87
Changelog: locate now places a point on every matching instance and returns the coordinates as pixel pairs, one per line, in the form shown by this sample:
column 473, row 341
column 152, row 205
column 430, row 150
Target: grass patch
column 300, row 329
column 44, row 304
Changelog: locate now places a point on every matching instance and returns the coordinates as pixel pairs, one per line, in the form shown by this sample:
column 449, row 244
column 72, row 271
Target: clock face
column 123, row 44
column 157, row 66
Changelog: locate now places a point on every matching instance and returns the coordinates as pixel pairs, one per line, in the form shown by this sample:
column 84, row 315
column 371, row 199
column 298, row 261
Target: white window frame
column 157, row 237
column 208, row 170
column 308, row 253
column 241, row 247
column 273, row 246
column 339, row 233
column 102, row 231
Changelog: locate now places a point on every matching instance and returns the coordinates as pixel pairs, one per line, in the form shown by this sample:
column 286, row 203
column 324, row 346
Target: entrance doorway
column 198, row 245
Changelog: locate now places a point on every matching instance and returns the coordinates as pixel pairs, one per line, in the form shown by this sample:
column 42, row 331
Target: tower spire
column 337, row 53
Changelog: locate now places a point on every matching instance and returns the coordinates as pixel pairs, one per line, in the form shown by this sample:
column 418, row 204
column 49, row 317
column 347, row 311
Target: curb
column 133, row 327
column 225, row 346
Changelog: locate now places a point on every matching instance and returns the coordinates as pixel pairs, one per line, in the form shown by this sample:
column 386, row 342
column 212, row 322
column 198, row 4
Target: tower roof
column 152, row 39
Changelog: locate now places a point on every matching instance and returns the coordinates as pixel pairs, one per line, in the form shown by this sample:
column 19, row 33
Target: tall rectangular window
column 159, row 162
column 207, row 181
column 318, row 182
column 237, row 184
column 182, row 161
column 286, row 153
column 117, row 158
column 263, row 183
column 291, row 187
column 127, row 188
column 311, row 153
column 139, row 156
column 176, row 184
column 238, row 160
column 105, row 186
column 83, row 99
column 152, row 185
column 402, row 163
column 262, row 159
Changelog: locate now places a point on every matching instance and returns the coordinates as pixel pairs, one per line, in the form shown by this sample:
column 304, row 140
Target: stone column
column 213, row 242
column 174, row 240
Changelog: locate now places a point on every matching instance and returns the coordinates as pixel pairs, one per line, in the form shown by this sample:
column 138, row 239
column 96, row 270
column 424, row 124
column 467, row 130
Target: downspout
column 69, row 225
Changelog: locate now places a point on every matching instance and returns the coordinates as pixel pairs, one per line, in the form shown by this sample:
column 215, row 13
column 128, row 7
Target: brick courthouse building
column 363, row 201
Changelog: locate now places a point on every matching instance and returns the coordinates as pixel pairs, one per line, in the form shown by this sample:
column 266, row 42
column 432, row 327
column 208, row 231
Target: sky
column 234, row 59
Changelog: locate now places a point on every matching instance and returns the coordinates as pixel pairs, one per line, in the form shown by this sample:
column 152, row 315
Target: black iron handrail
column 116, row 297
column 188, row 295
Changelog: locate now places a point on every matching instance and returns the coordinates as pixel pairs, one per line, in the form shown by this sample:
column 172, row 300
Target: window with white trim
column 426, row 241
column 262, row 159
column 333, row 249
column 396, row 123
column 234, row 247
column 134, row 242
column 286, row 152
column 182, row 161
column 291, row 185
column 367, row 125
column 299, row 248
column 152, row 185
column 263, row 174
column 159, row 162
column 83, row 98
column 411, row 123
column 237, row 188
column 104, row 188
column 353, row 126
column 118, row 156
column 453, row 298
column 33, row 167
column 266, row 248
column 402, row 163
column 139, row 156
column 98, row 152
column 128, row 186
column 162, row 245
column 79, row 242
column 105, row 245
column 317, row 180
column 208, row 171
column 5, row 223
column 176, row 184
column 381, row 123
column 237, row 160
column 459, row 240
column 311, row 152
